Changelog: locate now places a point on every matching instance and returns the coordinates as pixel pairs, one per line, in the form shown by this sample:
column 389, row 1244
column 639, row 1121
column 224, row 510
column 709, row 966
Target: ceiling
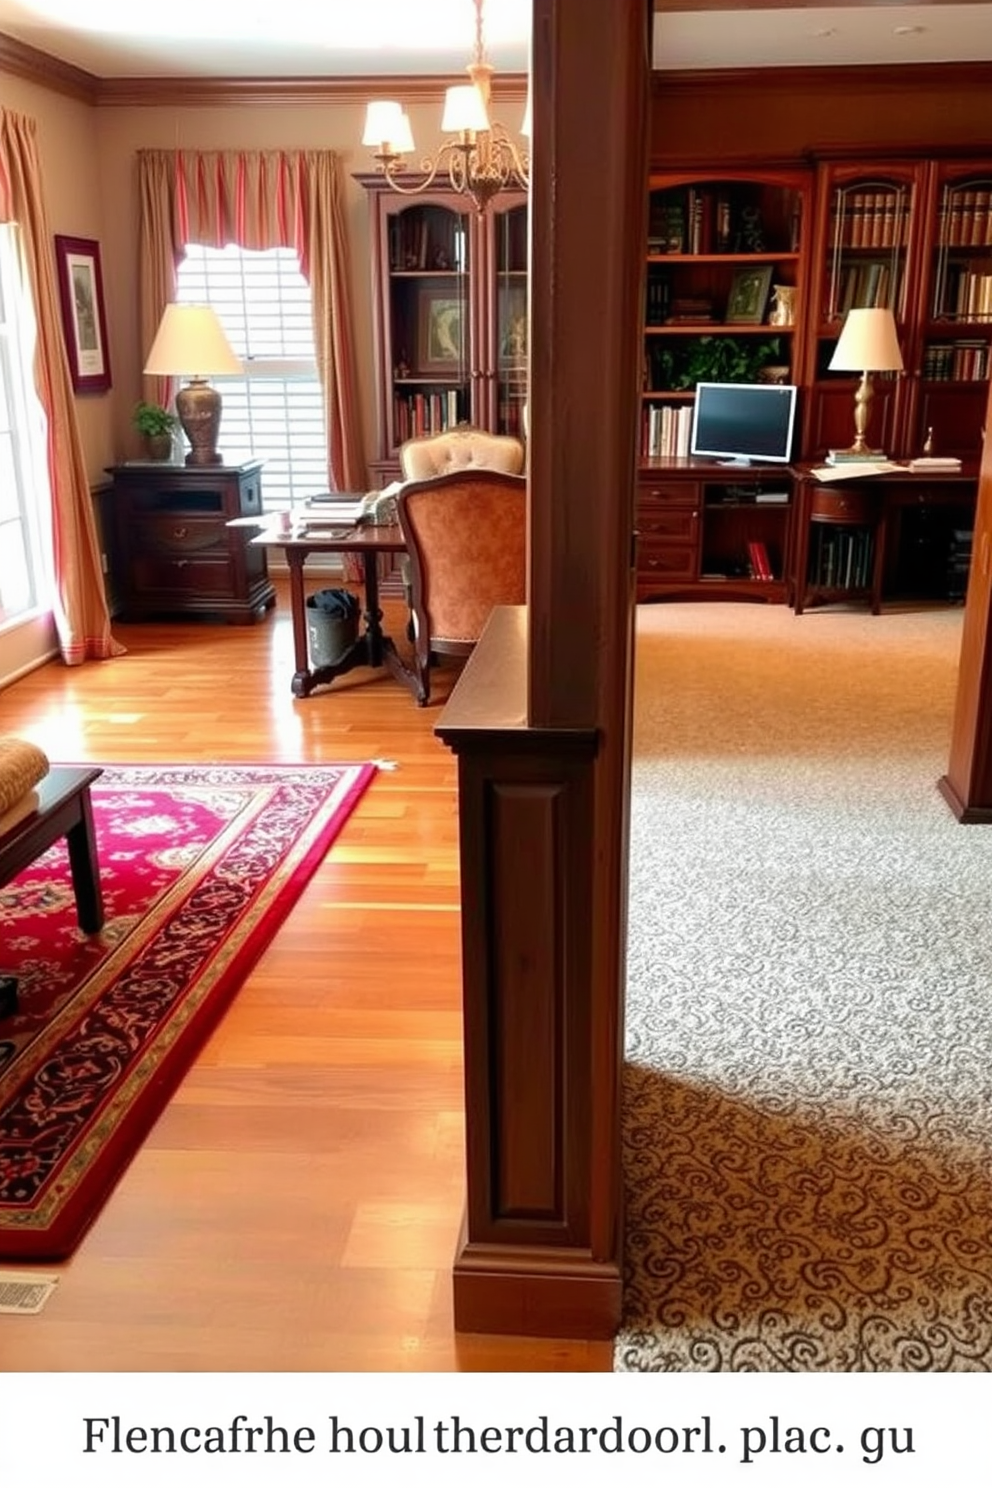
column 341, row 38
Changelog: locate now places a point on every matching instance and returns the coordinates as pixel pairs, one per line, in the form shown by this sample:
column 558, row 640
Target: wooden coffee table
column 64, row 810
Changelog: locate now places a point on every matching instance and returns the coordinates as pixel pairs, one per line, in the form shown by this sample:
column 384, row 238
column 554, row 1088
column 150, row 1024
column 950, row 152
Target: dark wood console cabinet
column 178, row 556
column 700, row 526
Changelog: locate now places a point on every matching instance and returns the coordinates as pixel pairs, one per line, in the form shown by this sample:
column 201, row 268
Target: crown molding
column 23, row 61
column 258, row 91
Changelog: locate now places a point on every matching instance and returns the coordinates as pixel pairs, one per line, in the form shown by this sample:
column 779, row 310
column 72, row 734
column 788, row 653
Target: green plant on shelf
column 713, row 359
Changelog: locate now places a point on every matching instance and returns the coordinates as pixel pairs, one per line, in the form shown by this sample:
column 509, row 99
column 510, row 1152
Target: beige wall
column 68, row 146
column 122, row 130
column 88, row 157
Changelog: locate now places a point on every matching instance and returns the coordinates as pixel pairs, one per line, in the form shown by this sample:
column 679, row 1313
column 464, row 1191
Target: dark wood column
column 540, row 723
column 967, row 786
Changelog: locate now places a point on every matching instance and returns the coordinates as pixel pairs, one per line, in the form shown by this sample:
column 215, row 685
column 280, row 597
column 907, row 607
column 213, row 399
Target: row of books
column 956, row 361
column 666, row 429
column 880, row 219
column 869, row 283
column 694, row 219
column 415, row 414
column 959, row 563
column 966, row 220
column 968, row 293
column 871, row 219
column 841, row 558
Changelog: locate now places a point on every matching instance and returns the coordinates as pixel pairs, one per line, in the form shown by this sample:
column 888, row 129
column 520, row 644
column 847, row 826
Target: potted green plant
column 155, row 424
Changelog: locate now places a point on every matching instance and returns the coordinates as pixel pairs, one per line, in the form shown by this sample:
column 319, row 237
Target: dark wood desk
column 373, row 647
column 64, row 810
column 879, row 511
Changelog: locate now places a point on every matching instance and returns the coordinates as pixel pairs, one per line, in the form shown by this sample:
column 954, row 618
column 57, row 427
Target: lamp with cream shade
column 190, row 342
column 868, row 343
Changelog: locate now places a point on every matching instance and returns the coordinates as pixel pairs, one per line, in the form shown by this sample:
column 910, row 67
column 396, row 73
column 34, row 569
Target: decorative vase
column 783, row 310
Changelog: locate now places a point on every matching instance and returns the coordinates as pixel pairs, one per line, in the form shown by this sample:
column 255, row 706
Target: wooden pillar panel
column 526, row 993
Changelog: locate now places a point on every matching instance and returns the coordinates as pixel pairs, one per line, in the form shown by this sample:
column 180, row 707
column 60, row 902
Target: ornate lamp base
column 199, row 406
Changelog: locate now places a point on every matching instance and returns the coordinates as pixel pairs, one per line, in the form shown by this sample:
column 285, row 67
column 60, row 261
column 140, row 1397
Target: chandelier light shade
column 481, row 158
column 190, row 342
column 868, row 343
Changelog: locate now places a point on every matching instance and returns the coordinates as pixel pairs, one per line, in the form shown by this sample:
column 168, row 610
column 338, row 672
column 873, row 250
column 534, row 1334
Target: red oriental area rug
column 199, row 865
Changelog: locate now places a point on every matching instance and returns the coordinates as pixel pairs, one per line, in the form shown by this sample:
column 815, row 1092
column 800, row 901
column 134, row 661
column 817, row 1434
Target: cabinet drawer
column 182, row 535
column 662, row 522
column 665, row 562
column 155, row 574
column 842, row 506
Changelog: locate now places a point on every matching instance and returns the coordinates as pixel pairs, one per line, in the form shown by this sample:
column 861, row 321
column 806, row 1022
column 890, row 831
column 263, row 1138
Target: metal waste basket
column 332, row 625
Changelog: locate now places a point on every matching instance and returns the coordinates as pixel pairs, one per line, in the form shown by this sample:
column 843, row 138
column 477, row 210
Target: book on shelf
column 760, row 565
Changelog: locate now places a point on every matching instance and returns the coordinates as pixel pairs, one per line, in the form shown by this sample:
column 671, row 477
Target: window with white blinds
column 275, row 412
column 24, row 489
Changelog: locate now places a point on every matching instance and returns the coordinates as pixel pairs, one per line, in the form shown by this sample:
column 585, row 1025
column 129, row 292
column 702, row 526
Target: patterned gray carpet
column 808, row 1092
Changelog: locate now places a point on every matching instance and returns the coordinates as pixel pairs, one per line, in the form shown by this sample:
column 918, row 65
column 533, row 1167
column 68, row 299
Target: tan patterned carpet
column 808, row 1092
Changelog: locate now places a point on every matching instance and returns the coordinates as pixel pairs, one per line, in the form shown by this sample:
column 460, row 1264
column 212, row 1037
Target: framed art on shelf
column 440, row 332
column 84, row 320
column 749, row 296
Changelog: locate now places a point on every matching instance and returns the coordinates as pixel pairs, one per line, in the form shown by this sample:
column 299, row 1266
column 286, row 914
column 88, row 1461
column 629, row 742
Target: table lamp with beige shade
column 190, row 342
column 868, row 343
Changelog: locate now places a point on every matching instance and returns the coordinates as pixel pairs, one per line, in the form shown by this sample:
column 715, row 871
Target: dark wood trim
column 967, row 786
column 544, row 749
column 23, row 61
column 874, row 76
column 675, row 6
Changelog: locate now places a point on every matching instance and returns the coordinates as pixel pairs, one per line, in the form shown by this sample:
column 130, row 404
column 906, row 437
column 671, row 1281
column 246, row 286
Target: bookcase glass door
column 866, row 257
column 428, row 322
column 510, row 316
column 958, row 331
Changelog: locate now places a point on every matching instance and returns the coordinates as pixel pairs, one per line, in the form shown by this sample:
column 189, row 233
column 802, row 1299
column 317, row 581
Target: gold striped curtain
column 79, row 604
column 260, row 199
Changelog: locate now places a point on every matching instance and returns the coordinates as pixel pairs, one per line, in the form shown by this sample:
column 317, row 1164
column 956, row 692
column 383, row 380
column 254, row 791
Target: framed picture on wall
column 84, row 319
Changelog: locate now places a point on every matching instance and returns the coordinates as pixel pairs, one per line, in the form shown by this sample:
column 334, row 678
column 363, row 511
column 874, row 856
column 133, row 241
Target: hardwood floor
column 296, row 1207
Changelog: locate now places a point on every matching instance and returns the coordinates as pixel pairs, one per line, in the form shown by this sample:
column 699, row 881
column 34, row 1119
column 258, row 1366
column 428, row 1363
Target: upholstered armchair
column 462, row 448
column 466, row 535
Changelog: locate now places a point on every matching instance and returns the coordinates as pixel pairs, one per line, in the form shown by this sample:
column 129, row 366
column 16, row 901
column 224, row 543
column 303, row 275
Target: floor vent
column 25, row 1291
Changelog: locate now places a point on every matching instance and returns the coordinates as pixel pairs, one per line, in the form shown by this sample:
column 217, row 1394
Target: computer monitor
column 741, row 423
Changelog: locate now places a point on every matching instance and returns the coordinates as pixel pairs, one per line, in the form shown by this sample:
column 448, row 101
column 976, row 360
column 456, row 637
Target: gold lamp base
column 199, row 407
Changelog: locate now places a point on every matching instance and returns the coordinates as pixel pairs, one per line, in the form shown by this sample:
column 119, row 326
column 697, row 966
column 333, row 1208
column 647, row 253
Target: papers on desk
column 325, row 509
column 854, row 469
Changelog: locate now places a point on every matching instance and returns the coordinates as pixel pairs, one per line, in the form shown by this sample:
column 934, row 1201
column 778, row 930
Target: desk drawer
column 671, row 492
column 661, row 562
column 842, row 506
column 661, row 522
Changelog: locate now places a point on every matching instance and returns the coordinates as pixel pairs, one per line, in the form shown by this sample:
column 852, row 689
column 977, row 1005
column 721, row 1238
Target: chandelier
column 481, row 158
